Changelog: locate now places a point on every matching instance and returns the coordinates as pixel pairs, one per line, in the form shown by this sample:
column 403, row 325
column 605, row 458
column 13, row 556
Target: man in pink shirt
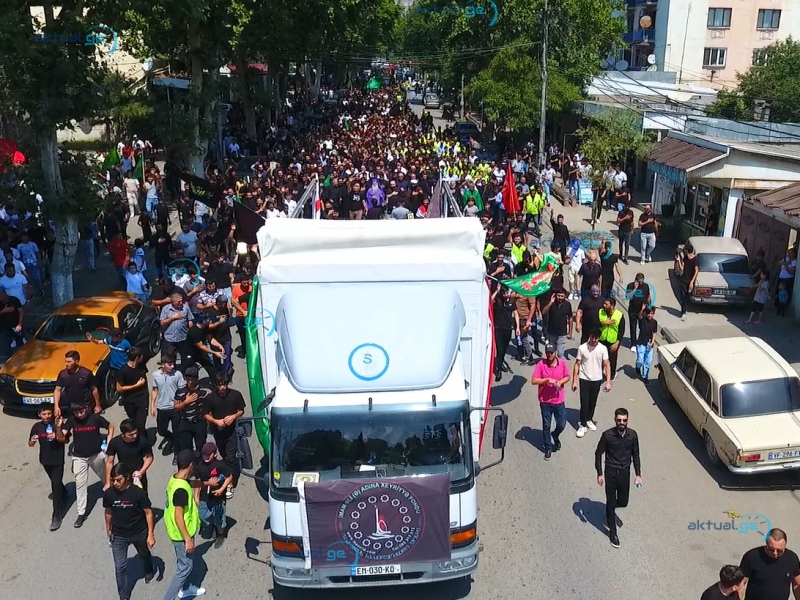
column 551, row 375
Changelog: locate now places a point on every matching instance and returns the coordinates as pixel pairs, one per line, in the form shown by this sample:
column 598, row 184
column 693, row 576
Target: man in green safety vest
column 612, row 329
column 182, row 522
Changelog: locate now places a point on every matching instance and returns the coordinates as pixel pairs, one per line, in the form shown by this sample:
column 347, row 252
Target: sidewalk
column 701, row 322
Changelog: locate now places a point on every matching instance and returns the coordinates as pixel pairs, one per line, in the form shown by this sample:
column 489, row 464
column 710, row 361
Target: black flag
column 248, row 222
column 202, row 190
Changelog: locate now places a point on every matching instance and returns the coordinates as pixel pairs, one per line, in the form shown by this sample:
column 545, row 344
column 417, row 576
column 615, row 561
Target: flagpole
column 143, row 162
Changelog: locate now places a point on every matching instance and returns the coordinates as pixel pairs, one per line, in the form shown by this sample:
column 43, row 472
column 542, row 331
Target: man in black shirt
column 10, row 323
column 561, row 237
column 221, row 272
column 646, row 343
column 587, row 318
column 75, row 385
column 687, row 262
column 772, row 570
column 161, row 243
column 625, row 224
column 163, row 291
column 216, row 478
column 132, row 384
column 648, row 232
column 731, row 579
column 132, row 450
column 202, row 344
column 621, row 447
column 559, row 321
column 223, row 407
column 591, row 273
column 220, row 328
column 637, row 294
column 88, row 451
column 49, row 434
column 357, row 202
column 190, row 404
column 129, row 521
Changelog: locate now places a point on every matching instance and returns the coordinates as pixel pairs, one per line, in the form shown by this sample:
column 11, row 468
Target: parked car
column 432, row 101
column 466, row 130
column 724, row 271
column 28, row 378
column 741, row 396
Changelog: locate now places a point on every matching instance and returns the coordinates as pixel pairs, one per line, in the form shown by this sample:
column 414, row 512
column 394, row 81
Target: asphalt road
column 540, row 522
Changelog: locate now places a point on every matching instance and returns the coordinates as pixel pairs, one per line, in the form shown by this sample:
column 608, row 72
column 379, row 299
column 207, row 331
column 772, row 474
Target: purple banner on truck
column 380, row 521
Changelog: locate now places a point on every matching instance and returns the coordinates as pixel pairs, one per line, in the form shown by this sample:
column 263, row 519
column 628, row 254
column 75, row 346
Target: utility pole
column 462, row 112
column 543, row 117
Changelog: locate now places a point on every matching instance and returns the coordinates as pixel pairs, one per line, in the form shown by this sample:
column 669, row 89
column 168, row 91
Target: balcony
column 639, row 36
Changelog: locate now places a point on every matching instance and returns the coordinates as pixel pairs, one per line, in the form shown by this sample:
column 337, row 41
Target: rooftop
column 739, row 360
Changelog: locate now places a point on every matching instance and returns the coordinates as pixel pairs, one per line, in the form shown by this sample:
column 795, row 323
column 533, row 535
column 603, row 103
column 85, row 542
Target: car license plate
column 787, row 454
column 724, row 292
column 29, row 400
column 378, row 570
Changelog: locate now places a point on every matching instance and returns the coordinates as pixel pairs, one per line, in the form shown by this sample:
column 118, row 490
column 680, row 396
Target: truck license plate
column 29, row 400
column 378, row 570
column 787, row 454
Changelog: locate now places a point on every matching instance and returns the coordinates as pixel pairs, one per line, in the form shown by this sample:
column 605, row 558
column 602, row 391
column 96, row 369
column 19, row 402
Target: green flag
column 138, row 170
column 327, row 182
column 112, row 158
column 255, row 375
column 475, row 195
column 536, row 283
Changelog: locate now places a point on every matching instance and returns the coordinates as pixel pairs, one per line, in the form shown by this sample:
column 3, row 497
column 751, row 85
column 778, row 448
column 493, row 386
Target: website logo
column 588, row 240
column 101, row 36
column 481, row 8
column 179, row 268
column 335, row 552
column 754, row 523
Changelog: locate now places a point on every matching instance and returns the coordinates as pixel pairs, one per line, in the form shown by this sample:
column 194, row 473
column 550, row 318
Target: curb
column 670, row 337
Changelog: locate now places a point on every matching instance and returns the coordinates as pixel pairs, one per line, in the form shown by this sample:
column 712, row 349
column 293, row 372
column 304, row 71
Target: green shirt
column 191, row 516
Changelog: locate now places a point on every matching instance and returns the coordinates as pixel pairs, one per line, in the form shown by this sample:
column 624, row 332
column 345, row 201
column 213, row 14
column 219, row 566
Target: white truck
column 370, row 363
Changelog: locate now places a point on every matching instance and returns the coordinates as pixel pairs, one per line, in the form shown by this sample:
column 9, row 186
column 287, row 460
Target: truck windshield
column 350, row 444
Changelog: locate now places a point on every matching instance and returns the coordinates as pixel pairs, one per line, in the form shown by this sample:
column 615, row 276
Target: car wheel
column 662, row 385
column 711, row 450
column 154, row 341
column 110, row 387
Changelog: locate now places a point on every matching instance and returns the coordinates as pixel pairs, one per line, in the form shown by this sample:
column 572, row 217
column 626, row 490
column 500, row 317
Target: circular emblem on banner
column 383, row 520
column 368, row 362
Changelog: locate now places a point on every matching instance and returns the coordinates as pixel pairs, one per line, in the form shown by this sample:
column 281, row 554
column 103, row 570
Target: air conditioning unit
column 717, row 33
column 766, row 35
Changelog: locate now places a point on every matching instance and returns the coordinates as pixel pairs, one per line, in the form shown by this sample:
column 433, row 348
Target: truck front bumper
column 290, row 572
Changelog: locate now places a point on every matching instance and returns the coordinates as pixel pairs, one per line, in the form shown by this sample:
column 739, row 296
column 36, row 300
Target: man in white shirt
column 131, row 187
column 548, row 178
column 29, row 253
column 272, row 212
column 200, row 210
column 576, row 257
column 233, row 150
column 591, row 368
column 15, row 284
column 136, row 283
column 187, row 239
column 620, row 179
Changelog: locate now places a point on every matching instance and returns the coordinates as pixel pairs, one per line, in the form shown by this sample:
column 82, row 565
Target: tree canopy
column 608, row 139
column 774, row 80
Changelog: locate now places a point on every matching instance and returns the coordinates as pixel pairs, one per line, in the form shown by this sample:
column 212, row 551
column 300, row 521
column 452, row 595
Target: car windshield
column 433, row 97
column 735, row 264
column 767, row 397
column 73, row 328
column 352, row 444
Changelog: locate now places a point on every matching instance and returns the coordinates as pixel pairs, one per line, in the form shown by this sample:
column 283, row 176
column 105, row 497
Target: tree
column 609, row 139
column 775, row 81
column 51, row 85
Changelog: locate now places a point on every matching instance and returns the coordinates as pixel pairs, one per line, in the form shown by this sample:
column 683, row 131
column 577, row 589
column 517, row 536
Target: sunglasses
column 775, row 551
column 623, row 421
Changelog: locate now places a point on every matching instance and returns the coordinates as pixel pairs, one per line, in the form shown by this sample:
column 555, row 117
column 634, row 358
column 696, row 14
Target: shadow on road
column 503, row 393
column 591, row 512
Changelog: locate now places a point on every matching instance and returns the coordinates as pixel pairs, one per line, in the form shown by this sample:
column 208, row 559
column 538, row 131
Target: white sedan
column 741, row 396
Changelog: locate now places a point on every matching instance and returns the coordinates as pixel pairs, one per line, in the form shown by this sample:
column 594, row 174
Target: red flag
column 510, row 197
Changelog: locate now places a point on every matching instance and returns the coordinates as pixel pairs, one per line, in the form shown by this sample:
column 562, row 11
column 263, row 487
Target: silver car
column 432, row 101
column 723, row 271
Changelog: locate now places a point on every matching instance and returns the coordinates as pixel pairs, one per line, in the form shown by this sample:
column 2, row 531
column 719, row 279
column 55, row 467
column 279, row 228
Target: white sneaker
column 633, row 349
column 592, row 425
column 192, row 592
column 649, row 259
column 581, row 431
column 641, row 262
column 229, row 493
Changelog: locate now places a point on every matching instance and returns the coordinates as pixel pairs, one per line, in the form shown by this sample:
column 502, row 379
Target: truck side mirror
column 244, row 429
column 244, row 453
column 500, row 432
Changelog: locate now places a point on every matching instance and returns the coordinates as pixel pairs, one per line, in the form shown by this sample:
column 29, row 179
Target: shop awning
column 786, row 199
column 673, row 158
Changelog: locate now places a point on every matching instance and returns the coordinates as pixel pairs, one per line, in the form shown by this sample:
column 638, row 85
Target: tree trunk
column 243, row 87
column 316, row 81
column 199, row 149
column 283, row 84
column 269, row 96
column 66, row 245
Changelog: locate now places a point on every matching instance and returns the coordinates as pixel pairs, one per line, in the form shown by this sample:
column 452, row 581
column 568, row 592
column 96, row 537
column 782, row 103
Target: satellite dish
column 86, row 126
column 224, row 71
column 651, row 59
column 622, row 65
column 147, row 65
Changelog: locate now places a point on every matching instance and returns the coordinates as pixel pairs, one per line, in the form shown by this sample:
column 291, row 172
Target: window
column 714, row 57
column 768, row 19
column 760, row 57
column 768, row 397
column 732, row 264
column 719, row 17
column 687, row 365
column 702, row 384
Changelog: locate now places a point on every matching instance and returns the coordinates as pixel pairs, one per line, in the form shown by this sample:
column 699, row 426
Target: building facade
column 707, row 41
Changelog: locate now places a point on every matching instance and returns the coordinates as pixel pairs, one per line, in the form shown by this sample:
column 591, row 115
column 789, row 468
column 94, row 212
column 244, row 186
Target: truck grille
column 36, row 388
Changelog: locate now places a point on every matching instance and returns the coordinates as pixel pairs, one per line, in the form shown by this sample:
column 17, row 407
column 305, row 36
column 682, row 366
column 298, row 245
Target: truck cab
column 378, row 366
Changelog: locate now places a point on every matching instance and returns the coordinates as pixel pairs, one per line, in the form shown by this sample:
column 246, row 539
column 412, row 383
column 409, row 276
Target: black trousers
column 618, row 492
column 56, row 475
column 633, row 322
column 184, row 348
column 201, row 358
column 166, row 420
column 502, row 338
column 588, row 390
column 612, row 357
column 226, row 444
column 137, row 412
column 192, row 436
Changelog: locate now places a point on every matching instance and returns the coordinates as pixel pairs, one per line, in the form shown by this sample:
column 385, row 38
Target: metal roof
column 678, row 154
column 786, row 199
